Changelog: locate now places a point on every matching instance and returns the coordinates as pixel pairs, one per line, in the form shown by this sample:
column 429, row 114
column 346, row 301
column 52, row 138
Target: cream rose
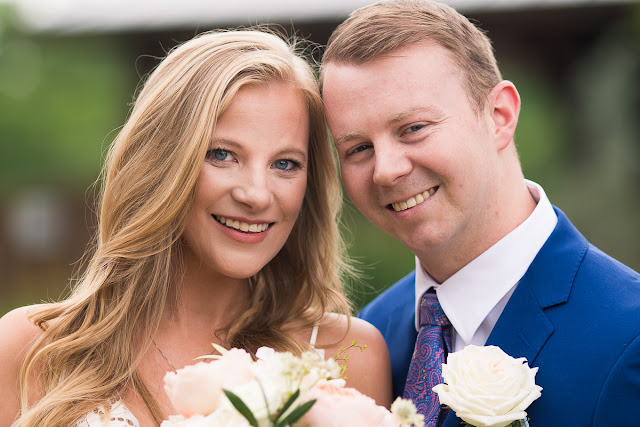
column 486, row 387
column 196, row 389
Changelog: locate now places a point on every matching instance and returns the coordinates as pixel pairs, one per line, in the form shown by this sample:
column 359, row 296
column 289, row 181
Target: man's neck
column 445, row 260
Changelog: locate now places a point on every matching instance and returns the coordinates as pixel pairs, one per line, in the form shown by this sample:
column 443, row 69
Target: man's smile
column 413, row 201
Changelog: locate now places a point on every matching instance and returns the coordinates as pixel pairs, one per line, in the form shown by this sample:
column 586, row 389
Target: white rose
column 253, row 394
column 486, row 387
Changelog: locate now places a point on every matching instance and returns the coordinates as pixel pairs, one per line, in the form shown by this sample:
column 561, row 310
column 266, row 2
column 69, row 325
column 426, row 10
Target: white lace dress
column 121, row 416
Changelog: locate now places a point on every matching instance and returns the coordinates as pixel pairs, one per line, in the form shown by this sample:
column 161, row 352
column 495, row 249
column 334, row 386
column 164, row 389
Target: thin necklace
column 164, row 355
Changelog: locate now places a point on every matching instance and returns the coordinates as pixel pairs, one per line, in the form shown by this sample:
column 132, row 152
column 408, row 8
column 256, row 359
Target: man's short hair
column 382, row 27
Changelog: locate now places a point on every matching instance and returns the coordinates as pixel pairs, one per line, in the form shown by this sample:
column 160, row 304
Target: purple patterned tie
column 425, row 370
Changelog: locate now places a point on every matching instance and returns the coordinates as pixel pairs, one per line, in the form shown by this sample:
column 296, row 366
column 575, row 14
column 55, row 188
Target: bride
column 217, row 224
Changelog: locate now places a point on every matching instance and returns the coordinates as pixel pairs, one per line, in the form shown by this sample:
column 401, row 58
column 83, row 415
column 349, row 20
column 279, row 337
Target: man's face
column 415, row 157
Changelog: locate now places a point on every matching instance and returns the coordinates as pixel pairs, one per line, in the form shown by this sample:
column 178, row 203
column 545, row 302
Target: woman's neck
column 200, row 305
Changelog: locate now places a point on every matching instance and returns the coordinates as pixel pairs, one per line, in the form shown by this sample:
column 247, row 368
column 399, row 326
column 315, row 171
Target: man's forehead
column 403, row 51
column 423, row 57
column 332, row 69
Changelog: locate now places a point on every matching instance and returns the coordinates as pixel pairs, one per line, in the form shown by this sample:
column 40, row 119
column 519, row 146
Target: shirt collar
column 470, row 294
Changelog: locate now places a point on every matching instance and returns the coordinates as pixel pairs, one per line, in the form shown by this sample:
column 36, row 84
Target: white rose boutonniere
column 488, row 388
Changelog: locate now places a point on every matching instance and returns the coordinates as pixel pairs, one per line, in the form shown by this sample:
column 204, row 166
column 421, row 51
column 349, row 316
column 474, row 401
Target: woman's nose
column 253, row 191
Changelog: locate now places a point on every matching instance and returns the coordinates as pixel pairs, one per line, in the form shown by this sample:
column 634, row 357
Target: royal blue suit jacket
column 575, row 314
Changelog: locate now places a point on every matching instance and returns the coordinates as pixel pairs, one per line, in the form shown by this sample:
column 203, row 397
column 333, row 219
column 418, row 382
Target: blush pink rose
column 196, row 389
column 338, row 406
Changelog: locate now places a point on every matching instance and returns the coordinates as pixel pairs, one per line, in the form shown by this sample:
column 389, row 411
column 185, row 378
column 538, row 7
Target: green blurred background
column 64, row 94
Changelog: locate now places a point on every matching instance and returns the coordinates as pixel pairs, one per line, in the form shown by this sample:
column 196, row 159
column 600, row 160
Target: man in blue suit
column 423, row 126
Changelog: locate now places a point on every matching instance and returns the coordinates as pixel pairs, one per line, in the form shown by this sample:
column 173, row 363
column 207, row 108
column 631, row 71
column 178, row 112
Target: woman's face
column 252, row 182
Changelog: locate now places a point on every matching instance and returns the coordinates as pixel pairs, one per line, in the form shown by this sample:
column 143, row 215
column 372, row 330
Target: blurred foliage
column 543, row 132
column 583, row 144
column 60, row 98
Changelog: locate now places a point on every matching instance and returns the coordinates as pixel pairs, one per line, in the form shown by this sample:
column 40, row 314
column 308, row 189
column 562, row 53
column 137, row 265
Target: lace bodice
column 120, row 417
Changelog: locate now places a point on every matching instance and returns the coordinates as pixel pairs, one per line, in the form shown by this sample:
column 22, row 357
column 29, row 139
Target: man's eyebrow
column 400, row 117
column 404, row 114
column 350, row 136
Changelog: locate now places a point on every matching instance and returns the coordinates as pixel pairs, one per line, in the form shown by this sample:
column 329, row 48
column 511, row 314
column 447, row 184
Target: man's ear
column 504, row 109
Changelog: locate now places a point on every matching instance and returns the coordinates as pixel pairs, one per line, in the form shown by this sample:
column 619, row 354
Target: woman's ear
column 504, row 109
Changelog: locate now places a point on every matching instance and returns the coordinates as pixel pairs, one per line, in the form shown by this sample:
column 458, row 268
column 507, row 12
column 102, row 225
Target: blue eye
column 283, row 164
column 220, row 154
column 414, row 128
column 286, row 165
column 360, row 148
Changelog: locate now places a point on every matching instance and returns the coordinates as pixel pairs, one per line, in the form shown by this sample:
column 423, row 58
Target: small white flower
column 265, row 353
column 405, row 413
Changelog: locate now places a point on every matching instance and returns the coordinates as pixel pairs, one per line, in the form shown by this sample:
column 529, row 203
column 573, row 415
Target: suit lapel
column 524, row 328
column 452, row 420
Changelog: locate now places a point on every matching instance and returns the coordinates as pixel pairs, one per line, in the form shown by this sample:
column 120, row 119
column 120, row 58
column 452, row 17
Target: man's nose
column 391, row 163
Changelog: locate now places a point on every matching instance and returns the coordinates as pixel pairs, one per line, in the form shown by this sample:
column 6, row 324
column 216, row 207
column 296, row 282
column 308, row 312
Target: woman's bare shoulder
column 361, row 347
column 17, row 335
column 338, row 328
column 17, row 332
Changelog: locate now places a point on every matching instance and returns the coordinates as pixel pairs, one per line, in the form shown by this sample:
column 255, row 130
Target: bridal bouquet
column 276, row 390
column 488, row 388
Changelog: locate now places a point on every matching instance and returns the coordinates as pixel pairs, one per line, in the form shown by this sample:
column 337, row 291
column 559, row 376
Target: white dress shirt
column 474, row 297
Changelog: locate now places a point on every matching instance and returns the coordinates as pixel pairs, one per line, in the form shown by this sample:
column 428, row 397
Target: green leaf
column 241, row 407
column 287, row 404
column 296, row 414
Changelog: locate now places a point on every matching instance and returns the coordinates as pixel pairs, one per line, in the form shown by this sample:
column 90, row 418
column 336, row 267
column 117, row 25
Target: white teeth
column 413, row 201
column 242, row 226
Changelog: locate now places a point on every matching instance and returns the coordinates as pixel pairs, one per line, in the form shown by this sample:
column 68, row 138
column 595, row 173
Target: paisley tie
column 425, row 370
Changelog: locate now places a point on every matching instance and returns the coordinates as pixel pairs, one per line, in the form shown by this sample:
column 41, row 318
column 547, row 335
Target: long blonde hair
column 92, row 341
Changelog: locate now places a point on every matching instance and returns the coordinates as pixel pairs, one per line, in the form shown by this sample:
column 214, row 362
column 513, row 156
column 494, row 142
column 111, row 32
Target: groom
column 423, row 125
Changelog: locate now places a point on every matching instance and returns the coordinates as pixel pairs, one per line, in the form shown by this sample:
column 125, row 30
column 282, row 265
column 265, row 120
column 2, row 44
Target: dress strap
column 314, row 335
column 312, row 341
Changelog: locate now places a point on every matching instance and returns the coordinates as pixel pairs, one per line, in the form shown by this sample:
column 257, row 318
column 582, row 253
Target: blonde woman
column 217, row 225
